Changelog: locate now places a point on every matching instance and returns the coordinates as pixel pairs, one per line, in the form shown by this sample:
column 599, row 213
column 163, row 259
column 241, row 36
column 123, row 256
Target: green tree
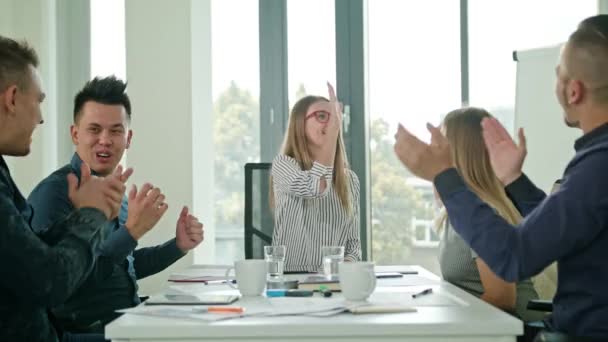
column 394, row 201
column 237, row 141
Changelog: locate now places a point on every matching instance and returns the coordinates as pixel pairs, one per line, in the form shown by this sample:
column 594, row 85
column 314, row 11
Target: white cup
column 357, row 280
column 250, row 276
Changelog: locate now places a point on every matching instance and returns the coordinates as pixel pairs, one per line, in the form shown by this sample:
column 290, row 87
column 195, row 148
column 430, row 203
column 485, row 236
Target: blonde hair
column 462, row 128
column 295, row 145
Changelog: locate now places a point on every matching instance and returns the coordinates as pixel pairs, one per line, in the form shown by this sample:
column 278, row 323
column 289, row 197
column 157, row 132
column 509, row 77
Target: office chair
column 540, row 305
column 553, row 336
column 550, row 336
column 259, row 220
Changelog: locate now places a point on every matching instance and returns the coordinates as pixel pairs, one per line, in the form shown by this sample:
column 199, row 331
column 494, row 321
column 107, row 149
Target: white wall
column 602, row 6
column 6, row 22
column 202, row 126
column 161, row 73
column 46, row 25
column 34, row 20
column 549, row 141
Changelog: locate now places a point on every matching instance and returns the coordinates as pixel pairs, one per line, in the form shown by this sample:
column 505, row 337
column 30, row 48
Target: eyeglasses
column 321, row 116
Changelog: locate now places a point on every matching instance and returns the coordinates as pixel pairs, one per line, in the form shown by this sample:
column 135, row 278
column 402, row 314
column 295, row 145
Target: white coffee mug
column 250, row 276
column 357, row 280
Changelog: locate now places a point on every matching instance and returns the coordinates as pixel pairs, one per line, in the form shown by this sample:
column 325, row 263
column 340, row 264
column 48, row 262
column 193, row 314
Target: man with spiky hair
column 101, row 133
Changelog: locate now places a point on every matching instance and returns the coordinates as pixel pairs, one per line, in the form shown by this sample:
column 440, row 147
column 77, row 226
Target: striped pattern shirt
column 307, row 218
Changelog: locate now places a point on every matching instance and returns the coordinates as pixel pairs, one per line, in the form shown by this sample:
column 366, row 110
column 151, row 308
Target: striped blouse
column 306, row 218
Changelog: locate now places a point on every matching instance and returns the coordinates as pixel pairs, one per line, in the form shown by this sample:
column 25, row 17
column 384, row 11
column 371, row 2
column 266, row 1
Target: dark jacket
column 33, row 274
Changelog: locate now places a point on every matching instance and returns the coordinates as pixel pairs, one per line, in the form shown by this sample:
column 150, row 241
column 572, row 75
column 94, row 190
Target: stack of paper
column 202, row 274
column 181, row 312
column 192, row 299
column 272, row 307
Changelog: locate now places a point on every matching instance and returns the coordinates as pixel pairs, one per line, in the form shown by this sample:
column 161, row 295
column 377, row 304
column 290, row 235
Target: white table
column 470, row 320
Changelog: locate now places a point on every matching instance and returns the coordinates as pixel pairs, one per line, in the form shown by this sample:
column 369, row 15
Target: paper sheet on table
column 282, row 306
column 267, row 308
column 317, row 307
column 191, row 299
column 198, row 288
column 201, row 273
column 314, row 306
column 407, row 280
column 403, row 269
column 196, row 314
column 321, row 307
column 395, row 295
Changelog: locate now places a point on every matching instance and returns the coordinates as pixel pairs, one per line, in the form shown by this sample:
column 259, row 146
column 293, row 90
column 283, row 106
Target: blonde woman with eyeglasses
column 459, row 264
column 314, row 193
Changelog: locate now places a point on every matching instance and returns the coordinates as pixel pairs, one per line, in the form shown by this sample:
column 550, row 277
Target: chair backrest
column 259, row 219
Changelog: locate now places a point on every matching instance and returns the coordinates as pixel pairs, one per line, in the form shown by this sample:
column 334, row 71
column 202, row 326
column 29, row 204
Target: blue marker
column 288, row 293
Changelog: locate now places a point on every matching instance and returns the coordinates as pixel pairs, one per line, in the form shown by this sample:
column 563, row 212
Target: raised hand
column 506, row 157
column 122, row 177
column 424, row 160
column 335, row 109
column 104, row 194
column 146, row 207
column 189, row 231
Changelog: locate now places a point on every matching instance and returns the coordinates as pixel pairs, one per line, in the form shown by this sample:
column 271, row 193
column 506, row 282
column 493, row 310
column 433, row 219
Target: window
column 108, row 47
column 423, row 233
column 108, row 52
column 496, row 29
column 236, row 110
column 311, row 41
column 414, row 78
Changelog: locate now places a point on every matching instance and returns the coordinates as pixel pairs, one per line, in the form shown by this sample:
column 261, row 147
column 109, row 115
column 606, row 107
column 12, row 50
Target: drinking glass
column 332, row 256
column 275, row 258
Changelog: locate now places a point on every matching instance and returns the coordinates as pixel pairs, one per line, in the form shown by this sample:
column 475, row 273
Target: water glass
column 275, row 258
column 332, row 256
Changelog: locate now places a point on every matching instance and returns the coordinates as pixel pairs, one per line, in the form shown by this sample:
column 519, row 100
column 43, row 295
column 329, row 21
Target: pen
column 422, row 293
column 211, row 282
column 225, row 309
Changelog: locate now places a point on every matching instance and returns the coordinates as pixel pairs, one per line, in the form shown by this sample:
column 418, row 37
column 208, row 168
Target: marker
column 298, row 293
column 288, row 293
column 275, row 293
column 224, row 309
column 422, row 293
column 325, row 291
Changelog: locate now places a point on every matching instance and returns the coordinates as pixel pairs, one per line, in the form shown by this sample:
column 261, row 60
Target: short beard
column 574, row 124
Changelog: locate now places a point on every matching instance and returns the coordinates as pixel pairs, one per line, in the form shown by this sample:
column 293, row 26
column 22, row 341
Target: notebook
column 192, row 299
column 313, row 283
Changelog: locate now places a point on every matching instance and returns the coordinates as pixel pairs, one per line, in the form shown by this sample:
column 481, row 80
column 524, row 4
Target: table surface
column 447, row 312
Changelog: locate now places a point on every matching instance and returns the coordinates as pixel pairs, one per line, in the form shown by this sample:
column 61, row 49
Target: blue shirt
column 569, row 226
column 113, row 283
